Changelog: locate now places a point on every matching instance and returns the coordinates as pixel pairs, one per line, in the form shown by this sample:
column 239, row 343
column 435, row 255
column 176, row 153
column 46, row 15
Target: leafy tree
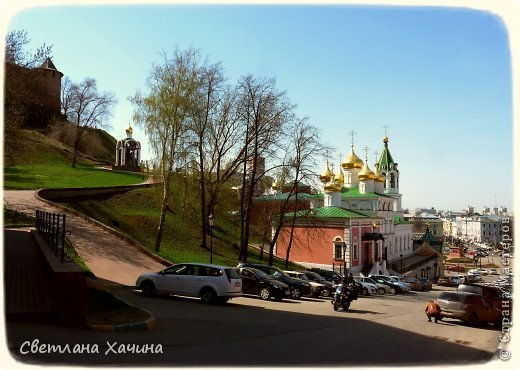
column 165, row 113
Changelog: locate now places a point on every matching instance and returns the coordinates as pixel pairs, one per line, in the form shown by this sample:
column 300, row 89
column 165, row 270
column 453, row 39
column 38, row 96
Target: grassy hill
column 39, row 161
column 44, row 162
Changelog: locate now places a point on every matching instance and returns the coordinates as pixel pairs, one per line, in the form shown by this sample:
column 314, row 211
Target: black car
column 257, row 282
column 329, row 286
column 329, row 275
column 298, row 288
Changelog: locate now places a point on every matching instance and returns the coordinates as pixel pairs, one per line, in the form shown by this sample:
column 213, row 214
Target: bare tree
column 218, row 137
column 264, row 112
column 16, row 50
column 306, row 148
column 165, row 113
column 84, row 106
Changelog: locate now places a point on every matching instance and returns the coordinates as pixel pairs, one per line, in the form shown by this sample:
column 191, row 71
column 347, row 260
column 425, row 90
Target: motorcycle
column 343, row 296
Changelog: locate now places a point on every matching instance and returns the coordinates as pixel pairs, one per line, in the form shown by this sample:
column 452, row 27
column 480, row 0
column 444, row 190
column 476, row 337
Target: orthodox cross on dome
column 366, row 149
column 352, row 133
column 376, row 154
column 386, row 130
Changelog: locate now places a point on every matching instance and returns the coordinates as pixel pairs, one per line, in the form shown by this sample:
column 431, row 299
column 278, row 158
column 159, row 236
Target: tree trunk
column 164, row 207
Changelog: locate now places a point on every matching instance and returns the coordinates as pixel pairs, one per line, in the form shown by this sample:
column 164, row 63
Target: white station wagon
column 212, row 283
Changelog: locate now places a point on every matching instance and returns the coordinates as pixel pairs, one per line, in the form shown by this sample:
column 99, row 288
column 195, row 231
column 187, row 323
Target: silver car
column 212, row 283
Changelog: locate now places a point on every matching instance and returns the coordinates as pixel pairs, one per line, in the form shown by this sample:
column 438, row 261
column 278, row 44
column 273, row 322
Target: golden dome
column 332, row 186
column 385, row 139
column 366, row 173
column 327, row 175
column 378, row 176
column 340, row 178
column 352, row 160
column 275, row 185
column 129, row 130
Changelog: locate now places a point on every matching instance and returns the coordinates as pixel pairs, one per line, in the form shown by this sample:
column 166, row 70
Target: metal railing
column 51, row 227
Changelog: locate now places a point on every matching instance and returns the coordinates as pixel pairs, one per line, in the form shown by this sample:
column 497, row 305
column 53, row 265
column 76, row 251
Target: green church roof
column 330, row 212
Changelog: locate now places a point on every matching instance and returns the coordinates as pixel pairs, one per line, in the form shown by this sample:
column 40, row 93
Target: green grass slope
column 41, row 162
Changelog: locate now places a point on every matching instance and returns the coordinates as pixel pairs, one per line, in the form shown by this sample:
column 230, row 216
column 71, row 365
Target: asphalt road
column 377, row 331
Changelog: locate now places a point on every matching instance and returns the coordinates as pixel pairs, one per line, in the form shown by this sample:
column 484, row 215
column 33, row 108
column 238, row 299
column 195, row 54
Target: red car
column 457, row 268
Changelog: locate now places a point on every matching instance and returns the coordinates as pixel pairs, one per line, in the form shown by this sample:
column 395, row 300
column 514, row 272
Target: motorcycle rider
column 349, row 285
column 348, row 279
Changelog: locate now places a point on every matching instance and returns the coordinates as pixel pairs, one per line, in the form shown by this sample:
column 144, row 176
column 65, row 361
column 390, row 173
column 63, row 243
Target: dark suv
column 329, row 275
column 298, row 287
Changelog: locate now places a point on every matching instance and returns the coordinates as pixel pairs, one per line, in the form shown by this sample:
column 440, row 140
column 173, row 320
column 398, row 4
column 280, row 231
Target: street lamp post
column 401, row 263
column 344, row 258
column 210, row 220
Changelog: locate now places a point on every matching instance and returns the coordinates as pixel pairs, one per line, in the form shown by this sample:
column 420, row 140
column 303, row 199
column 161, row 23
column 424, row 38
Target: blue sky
column 439, row 78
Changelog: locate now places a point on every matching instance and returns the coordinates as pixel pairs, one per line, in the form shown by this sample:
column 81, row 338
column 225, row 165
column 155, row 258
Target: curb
column 148, row 324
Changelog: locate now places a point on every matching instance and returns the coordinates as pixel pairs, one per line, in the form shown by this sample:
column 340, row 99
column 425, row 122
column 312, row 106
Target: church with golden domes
column 355, row 223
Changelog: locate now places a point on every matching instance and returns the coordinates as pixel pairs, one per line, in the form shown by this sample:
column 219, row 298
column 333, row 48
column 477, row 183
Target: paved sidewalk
column 107, row 256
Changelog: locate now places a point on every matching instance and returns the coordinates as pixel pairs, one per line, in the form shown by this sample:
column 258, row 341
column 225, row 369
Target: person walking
column 432, row 309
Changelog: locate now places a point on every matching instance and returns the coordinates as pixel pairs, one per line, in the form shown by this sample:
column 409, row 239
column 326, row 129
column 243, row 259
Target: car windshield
column 315, row 276
column 278, row 274
column 260, row 273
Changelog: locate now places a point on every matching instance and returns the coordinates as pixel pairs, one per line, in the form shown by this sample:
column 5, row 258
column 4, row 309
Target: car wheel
column 265, row 294
column 365, row 291
column 473, row 319
column 325, row 293
column 208, row 295
column 148, row 288
column 295, row 293
column 380, row 291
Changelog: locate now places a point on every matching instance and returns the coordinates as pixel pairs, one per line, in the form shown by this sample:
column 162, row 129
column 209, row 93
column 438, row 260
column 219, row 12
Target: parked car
column 445, row 281
column 381, row 288
column 212, row 283
column 427, row 284
column 493, row 271
column 394, row 288
column 298, row 287
column 367, row 288
column 414, row 283
column 316, row 288
column 403, row 287
column 456, row 268
column 257, row 282
column 482, row 271
column 329, row 289
column 491, row 293
column 329, row 275
column 469, row 307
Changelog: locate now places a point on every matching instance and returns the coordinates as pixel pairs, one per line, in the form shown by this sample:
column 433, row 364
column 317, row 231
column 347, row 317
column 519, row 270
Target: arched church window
column 338, row 248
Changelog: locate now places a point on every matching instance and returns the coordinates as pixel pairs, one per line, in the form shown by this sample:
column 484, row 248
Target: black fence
column 51, row 227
